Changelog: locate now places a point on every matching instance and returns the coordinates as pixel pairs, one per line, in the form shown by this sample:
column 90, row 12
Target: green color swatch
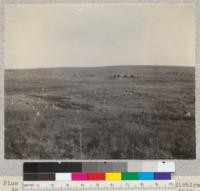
column 130, row 176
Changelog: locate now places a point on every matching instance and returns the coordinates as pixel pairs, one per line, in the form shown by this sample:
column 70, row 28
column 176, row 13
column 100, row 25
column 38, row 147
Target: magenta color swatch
column 79, row 176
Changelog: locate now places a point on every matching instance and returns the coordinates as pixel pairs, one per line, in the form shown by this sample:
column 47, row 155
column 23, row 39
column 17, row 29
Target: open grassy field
column 122, row 112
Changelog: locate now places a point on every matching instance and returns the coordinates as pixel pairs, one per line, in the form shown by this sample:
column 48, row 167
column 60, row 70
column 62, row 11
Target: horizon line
column 73, row 67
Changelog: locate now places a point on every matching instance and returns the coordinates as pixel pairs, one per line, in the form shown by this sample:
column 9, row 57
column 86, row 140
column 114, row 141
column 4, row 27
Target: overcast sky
column 61, row 35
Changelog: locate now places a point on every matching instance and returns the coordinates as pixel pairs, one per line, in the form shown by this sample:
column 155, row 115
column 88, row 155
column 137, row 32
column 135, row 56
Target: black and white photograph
column 99, row 81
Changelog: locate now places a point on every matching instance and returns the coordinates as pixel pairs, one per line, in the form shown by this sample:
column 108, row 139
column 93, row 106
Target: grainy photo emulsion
column 99, row 81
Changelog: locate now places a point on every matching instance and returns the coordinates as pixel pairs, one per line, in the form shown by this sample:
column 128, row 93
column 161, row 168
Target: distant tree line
column 124, row 76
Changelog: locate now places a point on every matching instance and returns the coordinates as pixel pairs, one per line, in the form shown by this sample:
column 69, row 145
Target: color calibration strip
column 104, row 176
column 130, row 166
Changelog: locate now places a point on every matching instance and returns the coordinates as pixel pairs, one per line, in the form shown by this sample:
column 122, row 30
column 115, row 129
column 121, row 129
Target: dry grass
column 47, row 110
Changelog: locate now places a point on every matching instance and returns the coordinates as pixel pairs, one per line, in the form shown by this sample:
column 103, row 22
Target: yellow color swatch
column 113, row 176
